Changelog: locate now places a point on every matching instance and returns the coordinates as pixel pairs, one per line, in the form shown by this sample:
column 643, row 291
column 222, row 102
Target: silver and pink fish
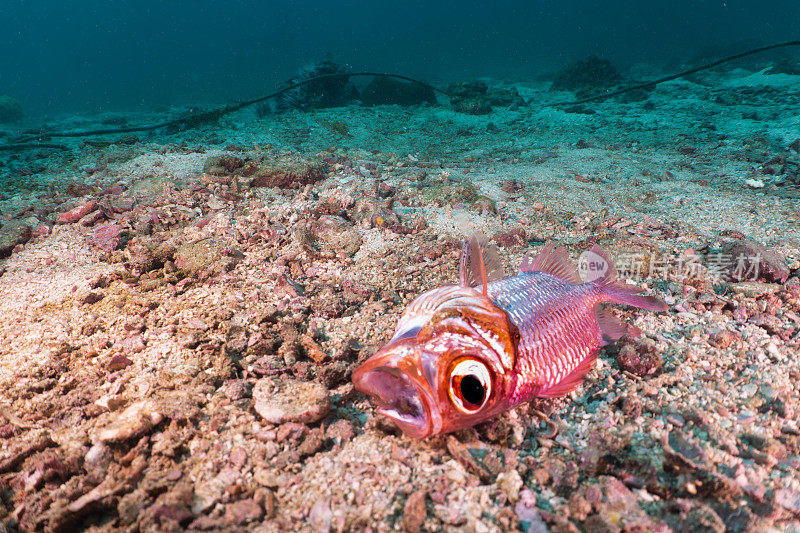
column 462, row 354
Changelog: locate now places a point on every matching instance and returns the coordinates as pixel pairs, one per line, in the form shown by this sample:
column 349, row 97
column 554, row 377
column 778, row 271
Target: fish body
column 462, row 354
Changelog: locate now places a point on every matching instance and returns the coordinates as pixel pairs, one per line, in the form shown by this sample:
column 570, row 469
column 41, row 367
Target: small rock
column 172, row 512
column 525, row 510
column 132, row 345
column 107, row 237
column 118, row 362
column 222, row 165
column 97, row 460
column 74, row 215
column 340, row 431
column 243, row 511
column 510, row 482
column 687, row 515
column 238, row 458
column 754, row 289
column 280, row 400
column 320, row 516
column 201, row 255
column 13, row 234
column 287, row 174
column 208, row 493
column 414, row 512
column 266, row 477
column 237, row 389
column 752, row 261
column 639, row 356
column 788, row 499
column 92, row 297
column 313, row 349
column 136, row 420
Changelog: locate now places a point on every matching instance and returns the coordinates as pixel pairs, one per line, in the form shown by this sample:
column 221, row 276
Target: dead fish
column 462, row 354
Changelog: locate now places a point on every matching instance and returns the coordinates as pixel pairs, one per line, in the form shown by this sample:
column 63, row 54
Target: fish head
column 450, row 373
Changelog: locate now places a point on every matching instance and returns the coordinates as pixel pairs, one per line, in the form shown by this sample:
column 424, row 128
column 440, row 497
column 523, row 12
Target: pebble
column 243, row 511
column 107, row 237
column 133, row 344
column 754, row 289
column 118, row 362
column 788, row 499
column 676, row 420
column 193, row 257
column 320, row 516
column 237, row 389
column 281, row 400
column 97, row 459
column 136, row 420
column 639, row 356
column 770, row 266
column 414, row 512
column 526, row 507
column 287, row 174
column 510, row 482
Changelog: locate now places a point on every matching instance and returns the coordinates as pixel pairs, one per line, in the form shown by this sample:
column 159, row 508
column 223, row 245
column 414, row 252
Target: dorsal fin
column 480, row 263
column 553, row 261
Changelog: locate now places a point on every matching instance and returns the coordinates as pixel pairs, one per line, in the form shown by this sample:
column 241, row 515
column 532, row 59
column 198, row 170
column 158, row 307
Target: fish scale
column 547, row 312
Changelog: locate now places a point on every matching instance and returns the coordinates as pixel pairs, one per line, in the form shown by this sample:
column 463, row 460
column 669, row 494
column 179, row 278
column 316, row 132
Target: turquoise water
column 90, row 56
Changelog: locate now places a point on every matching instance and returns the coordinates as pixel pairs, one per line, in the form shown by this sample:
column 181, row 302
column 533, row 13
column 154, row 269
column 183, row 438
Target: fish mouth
column 397, row 397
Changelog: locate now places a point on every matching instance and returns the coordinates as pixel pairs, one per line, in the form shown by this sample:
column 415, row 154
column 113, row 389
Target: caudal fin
column 619, row 292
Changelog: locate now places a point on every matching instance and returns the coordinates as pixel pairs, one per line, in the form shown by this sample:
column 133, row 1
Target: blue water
column 86, row 56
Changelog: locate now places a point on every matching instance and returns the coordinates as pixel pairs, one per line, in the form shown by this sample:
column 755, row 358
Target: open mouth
column 397, row 397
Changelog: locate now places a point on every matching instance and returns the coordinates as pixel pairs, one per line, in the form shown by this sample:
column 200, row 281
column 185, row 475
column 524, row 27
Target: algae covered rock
column 281, row 400
column 387, row 91
column 590, row 73
column 334, row 234
column 205, row 255
column 470, row 98
column 331, row 88
column 288, row 174
column 222, row 165
column 11, row 235
column 10, row 110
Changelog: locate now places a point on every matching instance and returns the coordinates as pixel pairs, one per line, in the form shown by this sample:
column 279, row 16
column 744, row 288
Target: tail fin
column 619, row 292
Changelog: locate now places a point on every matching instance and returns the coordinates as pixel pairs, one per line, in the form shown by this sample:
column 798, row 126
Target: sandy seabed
column 181, row 317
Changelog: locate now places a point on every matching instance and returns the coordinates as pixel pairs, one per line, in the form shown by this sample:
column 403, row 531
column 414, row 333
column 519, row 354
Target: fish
column 463, row 354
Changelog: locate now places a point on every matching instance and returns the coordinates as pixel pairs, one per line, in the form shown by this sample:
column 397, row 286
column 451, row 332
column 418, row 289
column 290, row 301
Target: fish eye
column 470, row 385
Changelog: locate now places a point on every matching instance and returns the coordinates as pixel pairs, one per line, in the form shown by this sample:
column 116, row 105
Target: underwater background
column 211, row 217
column 94, row 55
